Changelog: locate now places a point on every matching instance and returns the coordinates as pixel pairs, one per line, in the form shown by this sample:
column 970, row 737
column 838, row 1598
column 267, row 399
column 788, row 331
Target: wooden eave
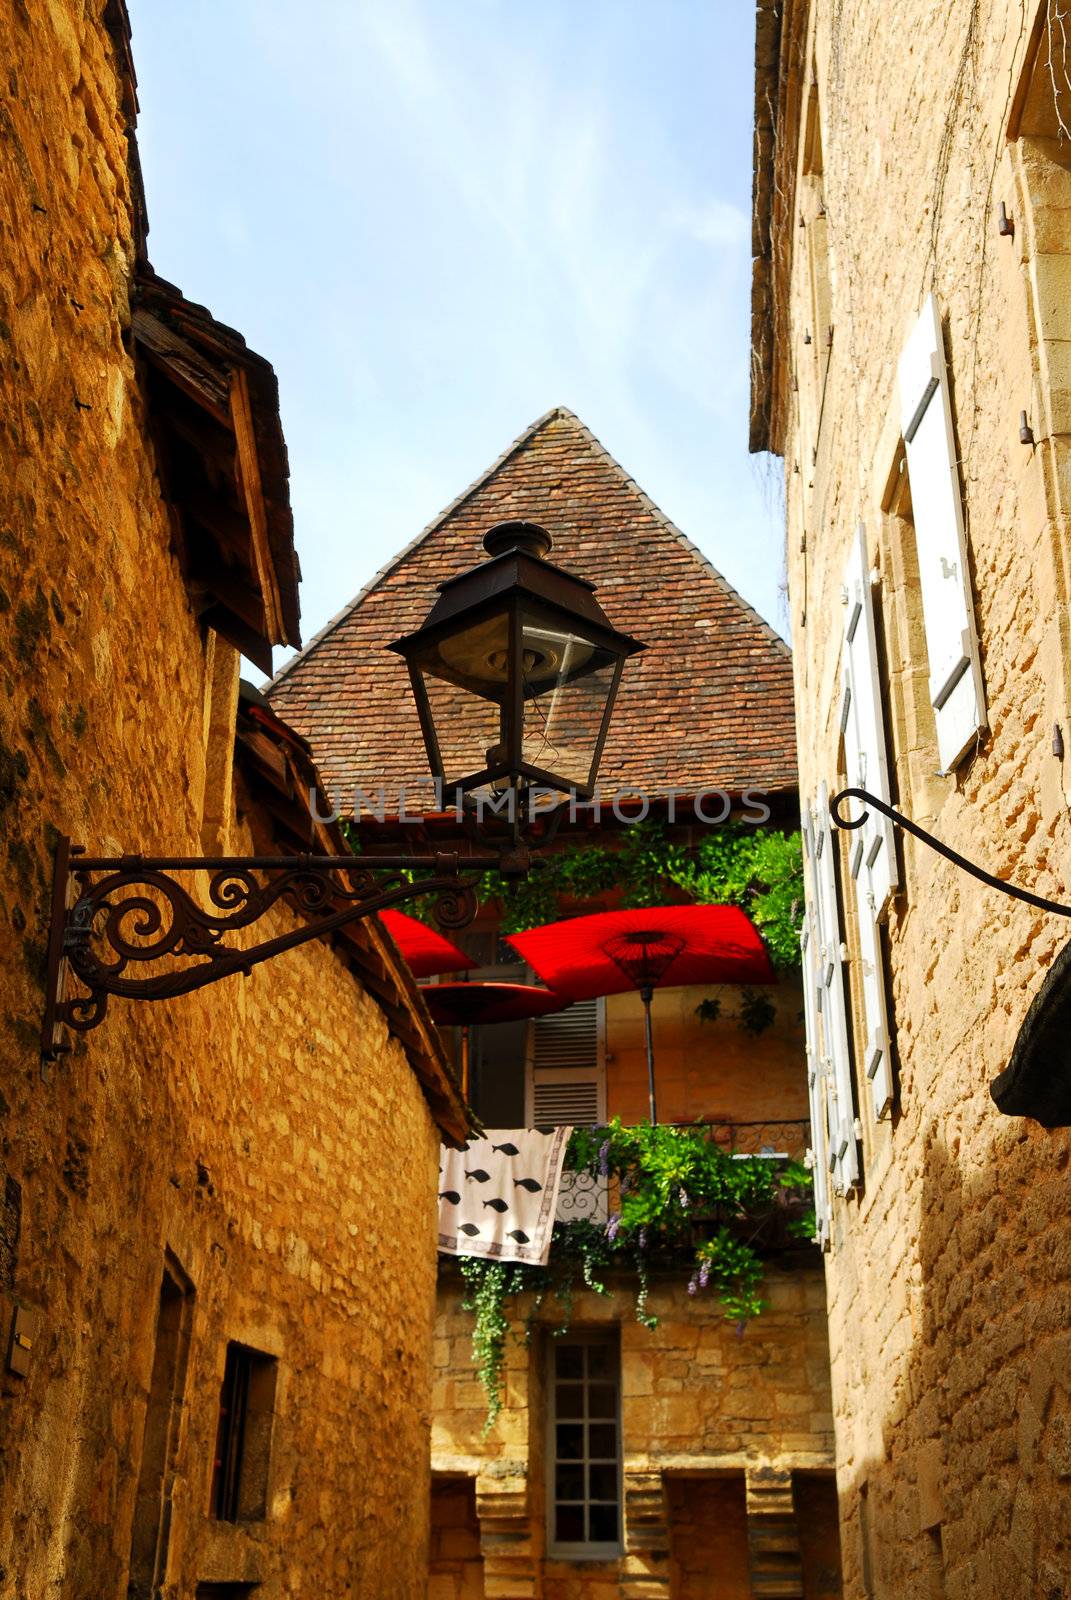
column 780, row 33
column 214, row 407
column 280, row 776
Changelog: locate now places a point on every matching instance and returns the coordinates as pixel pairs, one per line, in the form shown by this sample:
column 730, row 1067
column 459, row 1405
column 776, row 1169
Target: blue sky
column 440, row 218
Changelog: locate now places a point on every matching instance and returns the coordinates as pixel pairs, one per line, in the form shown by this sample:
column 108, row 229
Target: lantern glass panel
column 567, row 682
column 475, row 658
column 468, row 728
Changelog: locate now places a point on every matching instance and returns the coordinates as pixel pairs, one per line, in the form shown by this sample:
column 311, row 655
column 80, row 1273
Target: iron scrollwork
column 114, row 916
column 842, row 820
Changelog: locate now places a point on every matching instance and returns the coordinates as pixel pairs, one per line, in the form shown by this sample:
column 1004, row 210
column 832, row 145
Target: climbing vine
column 677, row 1200
column 760, row 869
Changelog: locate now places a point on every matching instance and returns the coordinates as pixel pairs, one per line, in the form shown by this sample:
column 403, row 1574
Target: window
column 584, row 1447
column 956, row 690
column 151, row 1530
column 902, row 638
column 243, row 1436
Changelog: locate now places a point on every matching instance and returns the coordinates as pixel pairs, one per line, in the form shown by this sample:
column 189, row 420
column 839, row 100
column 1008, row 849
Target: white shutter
column 956, row 688
column 877, row 1059
column 567, row 1067
column 863, row 725
column 872, row 857
column 843, row 1148
column 817, row 1154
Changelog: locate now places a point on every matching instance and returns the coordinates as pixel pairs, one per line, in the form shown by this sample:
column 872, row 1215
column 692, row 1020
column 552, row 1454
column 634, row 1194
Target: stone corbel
column 645, row 1571
column 772, row 1536
column 510, row 1542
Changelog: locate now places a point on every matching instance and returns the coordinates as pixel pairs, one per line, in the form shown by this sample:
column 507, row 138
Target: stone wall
column 698, row 1396
column 717, row 1070
column 950, row 1272
column 265, row 1139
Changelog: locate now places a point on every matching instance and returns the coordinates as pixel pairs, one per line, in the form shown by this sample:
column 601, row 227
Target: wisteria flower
column 704, row 1274
column 604, row 1159
column 613, row 1225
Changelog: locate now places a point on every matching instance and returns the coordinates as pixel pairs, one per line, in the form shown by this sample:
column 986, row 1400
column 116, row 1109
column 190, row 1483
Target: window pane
column 570, row 1441
column 602, row 1361
column 570, row 1400
column 569, row 1483
column 604, row 1524
column 602, row 1482
column 569, row 1524
column 602, row 1441
column 569, row 1361
column 602, row 1400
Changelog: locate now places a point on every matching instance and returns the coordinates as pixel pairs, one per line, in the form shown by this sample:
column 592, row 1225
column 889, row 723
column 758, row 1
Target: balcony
column 773, row 1225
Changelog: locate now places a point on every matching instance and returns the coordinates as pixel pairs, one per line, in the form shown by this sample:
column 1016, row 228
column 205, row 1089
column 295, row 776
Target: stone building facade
column 217, row 1256
column 911, row 327
column 724, row 1450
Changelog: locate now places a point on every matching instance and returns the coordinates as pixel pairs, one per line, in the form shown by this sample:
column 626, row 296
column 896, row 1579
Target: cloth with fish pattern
column 498, row 1196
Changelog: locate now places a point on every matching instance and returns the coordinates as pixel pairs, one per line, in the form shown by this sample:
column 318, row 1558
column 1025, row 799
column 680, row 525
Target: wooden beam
column 249, row 482
column 187, row 369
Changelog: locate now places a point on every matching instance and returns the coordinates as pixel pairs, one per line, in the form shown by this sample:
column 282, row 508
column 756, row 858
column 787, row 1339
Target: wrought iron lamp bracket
column 842, row 820
column 125, row 925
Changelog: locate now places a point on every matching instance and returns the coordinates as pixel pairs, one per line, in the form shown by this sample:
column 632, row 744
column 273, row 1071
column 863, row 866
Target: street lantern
column 515, row 673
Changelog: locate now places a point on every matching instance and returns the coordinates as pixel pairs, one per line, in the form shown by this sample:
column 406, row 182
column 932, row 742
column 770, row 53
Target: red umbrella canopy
column 426, row 952
column 613, row 951
column 463, row 1005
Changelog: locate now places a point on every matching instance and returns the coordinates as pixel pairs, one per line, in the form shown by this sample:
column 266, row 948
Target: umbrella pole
column 646, row 995
column 465, row 1062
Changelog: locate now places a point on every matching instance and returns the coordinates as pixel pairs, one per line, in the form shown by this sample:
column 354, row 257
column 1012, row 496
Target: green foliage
column 680, row 1200
column 759, row 869
column 757, row 1012
column 488, row 1285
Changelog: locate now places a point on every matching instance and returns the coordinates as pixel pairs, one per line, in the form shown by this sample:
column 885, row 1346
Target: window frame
column 247, row 1392
column 589, row 1550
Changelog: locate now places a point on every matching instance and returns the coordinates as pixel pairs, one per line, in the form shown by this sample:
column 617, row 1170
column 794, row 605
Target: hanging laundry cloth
column 498, row 1196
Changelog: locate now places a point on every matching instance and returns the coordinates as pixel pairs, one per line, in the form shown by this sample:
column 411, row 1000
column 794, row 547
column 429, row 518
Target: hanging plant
column 679, row 1200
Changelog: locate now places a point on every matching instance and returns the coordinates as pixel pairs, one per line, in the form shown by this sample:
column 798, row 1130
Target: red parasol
column 613, row 951
column 465, row 1005
column 426, row 952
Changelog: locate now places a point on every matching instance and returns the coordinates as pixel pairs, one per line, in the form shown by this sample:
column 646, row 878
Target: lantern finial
column 526, row 536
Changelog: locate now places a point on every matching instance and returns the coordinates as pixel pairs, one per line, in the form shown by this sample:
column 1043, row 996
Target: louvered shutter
column 817, row 1154
column 567, row 1068
column 877, row 1059
column 956, row 688
column 872, row 858
column 843, row 1150
column 863, row 726
column 827, row 1136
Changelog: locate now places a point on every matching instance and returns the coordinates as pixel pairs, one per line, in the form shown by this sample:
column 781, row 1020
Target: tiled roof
column 707, row 705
